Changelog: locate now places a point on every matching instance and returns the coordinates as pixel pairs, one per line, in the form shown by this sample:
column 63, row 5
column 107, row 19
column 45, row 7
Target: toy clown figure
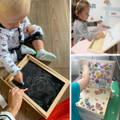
column 15, row 31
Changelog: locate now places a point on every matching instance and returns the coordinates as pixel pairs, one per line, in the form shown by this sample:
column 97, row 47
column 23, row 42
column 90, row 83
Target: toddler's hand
column 15, row 100
column 99, row 35
column 19, row 77
column 29, row 29
column 99, row 21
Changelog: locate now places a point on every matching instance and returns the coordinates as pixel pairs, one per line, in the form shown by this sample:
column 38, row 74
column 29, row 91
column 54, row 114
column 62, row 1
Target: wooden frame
column 102, row 98
column 93, row 50
column 40, row 110
column 93, row 98
column 99, row 45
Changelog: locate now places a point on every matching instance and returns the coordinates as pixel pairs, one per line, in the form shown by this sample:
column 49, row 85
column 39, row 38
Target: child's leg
column 38, row 44
column 42, row 54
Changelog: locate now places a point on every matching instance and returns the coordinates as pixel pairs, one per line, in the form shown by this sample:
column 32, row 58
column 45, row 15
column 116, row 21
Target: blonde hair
column 81, row 5
column 14, row 7
column 78, row 7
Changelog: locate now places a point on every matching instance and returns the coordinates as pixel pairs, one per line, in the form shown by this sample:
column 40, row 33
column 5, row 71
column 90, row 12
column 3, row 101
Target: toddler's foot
column 45, row 55
column 27, row 50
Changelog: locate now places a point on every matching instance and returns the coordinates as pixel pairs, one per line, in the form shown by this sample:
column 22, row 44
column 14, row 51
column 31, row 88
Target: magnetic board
column 45, row 86
column 101, row 45
column 94, row 98
column 42, row 86
column 96, row 46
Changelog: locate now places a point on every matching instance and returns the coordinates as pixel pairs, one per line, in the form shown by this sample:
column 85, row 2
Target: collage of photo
column 59, row 59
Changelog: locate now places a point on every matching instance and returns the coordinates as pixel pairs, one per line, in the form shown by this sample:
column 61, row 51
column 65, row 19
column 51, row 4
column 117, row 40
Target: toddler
column 80, row 23
column 15, row 31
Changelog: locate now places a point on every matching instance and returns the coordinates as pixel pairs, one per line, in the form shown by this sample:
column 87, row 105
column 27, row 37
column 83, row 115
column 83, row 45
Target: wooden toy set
column 107, row 41
column 94, row 98
column 45, row 86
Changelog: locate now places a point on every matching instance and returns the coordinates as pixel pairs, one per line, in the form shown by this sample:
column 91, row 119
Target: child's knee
column 38, row 29
column 37, row 36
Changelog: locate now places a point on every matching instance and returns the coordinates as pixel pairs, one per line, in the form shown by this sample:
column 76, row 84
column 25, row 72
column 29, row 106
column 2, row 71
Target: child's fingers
column 26, row 89
column 21, row 92
column 16, row 89
column 13, row 90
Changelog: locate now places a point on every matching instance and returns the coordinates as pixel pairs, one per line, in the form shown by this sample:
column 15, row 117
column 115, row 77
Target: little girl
column 15, row 31
column 80, row 23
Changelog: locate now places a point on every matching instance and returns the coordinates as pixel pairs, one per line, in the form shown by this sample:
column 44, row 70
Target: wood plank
column 55, row 23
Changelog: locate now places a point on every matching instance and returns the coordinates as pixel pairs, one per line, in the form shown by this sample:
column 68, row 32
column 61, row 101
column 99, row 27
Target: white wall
column 110, row 14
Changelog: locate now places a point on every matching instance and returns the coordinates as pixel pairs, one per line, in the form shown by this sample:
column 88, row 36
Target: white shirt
column 6, row 116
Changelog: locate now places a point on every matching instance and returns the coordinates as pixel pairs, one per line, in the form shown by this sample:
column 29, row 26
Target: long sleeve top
column 9, row 39
column 80, row 30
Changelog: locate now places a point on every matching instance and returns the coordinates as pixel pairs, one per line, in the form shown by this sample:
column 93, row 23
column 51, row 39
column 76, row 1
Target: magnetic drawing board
column 42, row 86
column 45, row 86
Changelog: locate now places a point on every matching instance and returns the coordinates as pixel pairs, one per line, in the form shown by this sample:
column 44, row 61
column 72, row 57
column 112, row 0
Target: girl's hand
column 19, row 77
column 99, row 21
column 85, row 65
column 99, row 35
column 15, row 98
column 85, row 75
column 29, row 29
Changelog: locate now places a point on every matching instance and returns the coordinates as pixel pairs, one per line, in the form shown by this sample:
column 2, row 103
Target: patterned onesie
column 10, row 39
column 80, row 30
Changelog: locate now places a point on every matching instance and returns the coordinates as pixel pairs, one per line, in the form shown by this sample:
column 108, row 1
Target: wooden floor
column 53, row 16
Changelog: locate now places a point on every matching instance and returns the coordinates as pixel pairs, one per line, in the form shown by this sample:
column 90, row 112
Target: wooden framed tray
column 94, row 98
column 111, row 38
column 45, row 86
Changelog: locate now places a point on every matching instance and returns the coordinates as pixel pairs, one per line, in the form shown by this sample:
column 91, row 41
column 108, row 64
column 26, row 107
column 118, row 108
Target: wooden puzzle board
column 101, row 45
column 94, row 100
column 101, row 73
column 96, row 46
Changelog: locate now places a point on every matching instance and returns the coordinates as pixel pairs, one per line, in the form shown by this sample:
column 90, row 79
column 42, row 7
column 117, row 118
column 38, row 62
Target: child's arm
column 80, row 31
column 32, row 29
column 84, row 34
column 14, row 103
column 85, row 77
column 15, row 98
column 94, row 23
column 5, row 57
column 77, row 87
